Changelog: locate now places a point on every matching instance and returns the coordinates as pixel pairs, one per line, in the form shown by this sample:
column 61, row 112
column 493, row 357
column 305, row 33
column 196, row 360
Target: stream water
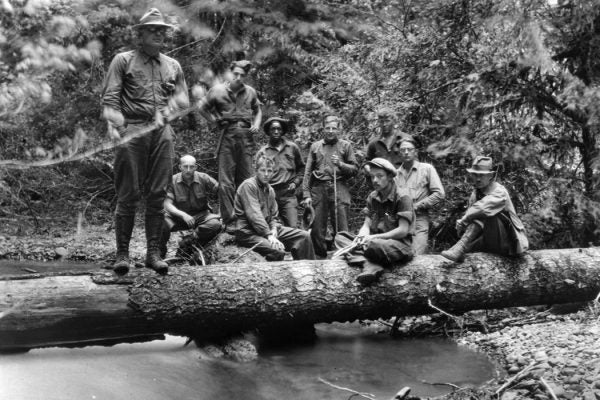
column 343, row 355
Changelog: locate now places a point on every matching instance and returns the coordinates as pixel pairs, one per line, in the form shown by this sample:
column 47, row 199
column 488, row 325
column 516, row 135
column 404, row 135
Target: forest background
column 515, row 80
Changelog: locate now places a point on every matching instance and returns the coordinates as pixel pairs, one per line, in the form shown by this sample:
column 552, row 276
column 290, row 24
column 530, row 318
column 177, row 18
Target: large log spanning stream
column 86, row 305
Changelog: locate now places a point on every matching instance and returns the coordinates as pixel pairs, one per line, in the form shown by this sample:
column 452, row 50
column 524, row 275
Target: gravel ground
column 555, row 358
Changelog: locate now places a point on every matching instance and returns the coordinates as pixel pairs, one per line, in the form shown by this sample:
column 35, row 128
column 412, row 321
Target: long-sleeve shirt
column 138, row 85
column 319, row 165
column 223, row 103
column 193, row 198
column 491, row 201
column 289, row 166
column 423, row 185
column 255, row 208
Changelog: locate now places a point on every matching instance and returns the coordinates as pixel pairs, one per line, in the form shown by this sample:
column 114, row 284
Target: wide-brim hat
column 384, row 164
column 481, row 165
column 308, row 217
column 284, row 124
column 153, row 17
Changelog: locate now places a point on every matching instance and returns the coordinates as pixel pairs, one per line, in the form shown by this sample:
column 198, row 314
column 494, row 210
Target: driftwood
column 211, row 302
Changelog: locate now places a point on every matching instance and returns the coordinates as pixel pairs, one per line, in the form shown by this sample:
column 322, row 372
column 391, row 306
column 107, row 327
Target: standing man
column 385, row 236
column 424, row 186
column 186, row 205
column 490, row 223
column 288, row 170
column 330, row 163
column 257, row 224
column 387, row 145
column 235, row 108
column 142, row 89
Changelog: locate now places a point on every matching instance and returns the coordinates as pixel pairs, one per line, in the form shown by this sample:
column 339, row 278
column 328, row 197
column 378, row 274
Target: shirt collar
column 146, row 58
column 391, row 195
column 414, row 166
column 242, row 90
column 284, row 143
column 179, row 177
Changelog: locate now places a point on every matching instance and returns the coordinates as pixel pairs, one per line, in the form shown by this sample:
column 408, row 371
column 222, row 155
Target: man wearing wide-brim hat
column 142, row 89
column 385, row 238
column 288, row 170
column 490, row 223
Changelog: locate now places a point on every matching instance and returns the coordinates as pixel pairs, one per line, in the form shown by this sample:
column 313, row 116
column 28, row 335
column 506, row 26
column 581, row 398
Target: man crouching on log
column 257, row 222
column 186, row 207
column 385, row 238
column 490, row 223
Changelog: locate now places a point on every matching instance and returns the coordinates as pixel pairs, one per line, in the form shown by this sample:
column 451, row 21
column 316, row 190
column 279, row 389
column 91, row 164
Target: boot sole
column 455, row 259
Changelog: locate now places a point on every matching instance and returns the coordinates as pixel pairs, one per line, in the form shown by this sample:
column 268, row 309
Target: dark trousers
column 322, row 195
column 143, row 168
column 295, row 241
column 206, row 227
column 385, row 252
column 287, row 203
column 235, row 165
column 496, row 237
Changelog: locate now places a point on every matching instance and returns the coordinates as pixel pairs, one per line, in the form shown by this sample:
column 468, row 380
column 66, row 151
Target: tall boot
column 154, row 225
column 123, row 229
column 457, row 252
column 165, row 235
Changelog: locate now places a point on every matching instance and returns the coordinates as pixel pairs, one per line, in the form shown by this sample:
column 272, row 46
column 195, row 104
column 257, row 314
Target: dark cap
column 243, row 64
column 284, row 124
column 383, row 164
column 153, row 17
column 481, row 165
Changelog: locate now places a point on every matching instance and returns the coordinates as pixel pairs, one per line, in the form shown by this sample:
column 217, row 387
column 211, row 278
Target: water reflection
column 342, row 355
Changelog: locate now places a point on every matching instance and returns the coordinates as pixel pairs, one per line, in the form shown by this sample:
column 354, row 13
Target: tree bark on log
column 217, row 301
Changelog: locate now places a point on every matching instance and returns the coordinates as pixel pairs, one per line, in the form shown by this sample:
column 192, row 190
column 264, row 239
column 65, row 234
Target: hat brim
column 475, row 171
column 154, row 23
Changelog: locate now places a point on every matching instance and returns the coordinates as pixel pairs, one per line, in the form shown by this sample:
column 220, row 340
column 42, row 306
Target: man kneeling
column 186, row 206
column 257, row 222
column 385, row 237
column 490, row 223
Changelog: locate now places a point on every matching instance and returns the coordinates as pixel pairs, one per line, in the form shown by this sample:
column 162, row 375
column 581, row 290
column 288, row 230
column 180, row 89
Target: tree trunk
column 221, row 300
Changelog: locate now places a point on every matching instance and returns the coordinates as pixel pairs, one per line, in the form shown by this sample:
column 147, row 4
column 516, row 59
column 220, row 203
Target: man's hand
column 188, row 219
column 418, row 206
column 363, row 240
column 335, row 159
column 461, row 225
column 276, row 244
column 291, row 187
column 307, row 202
column 113, row 132
column 253, row 128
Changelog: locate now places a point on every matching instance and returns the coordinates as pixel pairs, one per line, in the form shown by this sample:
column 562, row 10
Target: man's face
column 386, row 123
column 408, row 153
column 153, row 36
column 275, row 131
column 380, row 178
column 187, row 168
column 264, row 173
column 331, row 130
column 238, row 76
column 481, row 181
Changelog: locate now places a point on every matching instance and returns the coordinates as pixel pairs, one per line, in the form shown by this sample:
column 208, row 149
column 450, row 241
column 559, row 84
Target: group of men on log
column 257, row 189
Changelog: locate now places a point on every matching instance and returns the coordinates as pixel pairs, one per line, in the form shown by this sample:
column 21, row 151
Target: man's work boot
column 370, row 274
column 457, row 252
column 123, row 229
column 154, row 224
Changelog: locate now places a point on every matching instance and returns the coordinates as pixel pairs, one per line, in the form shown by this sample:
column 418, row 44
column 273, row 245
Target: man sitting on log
column 186, row 206
column 257, row 222
column 490, row 223
column 385, row 238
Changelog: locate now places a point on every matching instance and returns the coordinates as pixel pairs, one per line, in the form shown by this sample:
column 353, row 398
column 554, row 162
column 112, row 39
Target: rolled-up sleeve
column 436, row 189
column 349, row 166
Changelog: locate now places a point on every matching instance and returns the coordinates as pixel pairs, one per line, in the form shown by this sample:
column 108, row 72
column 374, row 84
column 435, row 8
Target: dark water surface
column 343, row 355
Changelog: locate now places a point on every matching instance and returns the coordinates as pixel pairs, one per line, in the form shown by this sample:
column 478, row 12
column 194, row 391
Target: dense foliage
column 514, row 80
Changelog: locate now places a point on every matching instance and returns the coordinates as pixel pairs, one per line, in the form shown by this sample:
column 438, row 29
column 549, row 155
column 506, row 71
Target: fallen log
column 216, row 301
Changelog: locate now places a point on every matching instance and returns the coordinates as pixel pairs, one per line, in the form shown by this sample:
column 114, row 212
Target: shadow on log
column 217, row 301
